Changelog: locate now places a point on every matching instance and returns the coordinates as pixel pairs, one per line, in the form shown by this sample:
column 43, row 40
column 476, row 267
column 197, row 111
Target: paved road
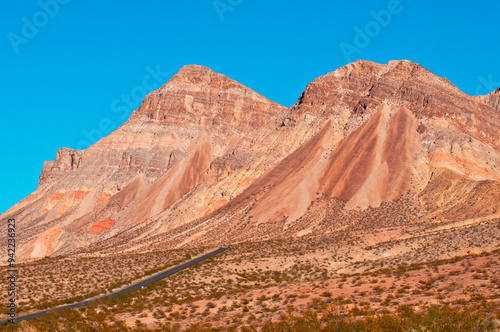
column 155, row 277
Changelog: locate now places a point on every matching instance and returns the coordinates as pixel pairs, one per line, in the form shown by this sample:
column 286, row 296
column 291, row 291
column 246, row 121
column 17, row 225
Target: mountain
column 205, row 161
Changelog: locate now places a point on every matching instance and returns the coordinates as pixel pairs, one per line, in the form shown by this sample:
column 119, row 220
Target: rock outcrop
column 206, row 160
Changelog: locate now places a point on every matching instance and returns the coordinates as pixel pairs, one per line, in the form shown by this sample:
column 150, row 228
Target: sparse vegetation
column 267, row 285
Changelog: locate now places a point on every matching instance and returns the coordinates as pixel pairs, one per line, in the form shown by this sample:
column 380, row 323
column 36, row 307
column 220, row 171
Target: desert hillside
column 372, row 204
column 205, row 160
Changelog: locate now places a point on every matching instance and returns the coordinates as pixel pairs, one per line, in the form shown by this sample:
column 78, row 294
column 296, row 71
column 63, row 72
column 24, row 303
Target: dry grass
column 256, row 283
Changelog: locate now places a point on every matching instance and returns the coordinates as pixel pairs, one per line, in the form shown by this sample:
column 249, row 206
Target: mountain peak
column 195, row 71
column 195, row 75
column 199, row 97
column 370, row 68
column 223, row 164
column 194, row 68
column 354, row 92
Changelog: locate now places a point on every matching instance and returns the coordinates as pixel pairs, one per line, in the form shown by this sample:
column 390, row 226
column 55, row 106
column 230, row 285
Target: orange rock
column 102, row 226
column 56, row 197
column 103, row 198
column 73, row 199
column 220, row 203
column 53, row 200
column 467, row 167
column 44, row 244
column 78, row 194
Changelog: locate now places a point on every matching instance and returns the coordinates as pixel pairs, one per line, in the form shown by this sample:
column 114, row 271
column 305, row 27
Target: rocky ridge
column 205, row 160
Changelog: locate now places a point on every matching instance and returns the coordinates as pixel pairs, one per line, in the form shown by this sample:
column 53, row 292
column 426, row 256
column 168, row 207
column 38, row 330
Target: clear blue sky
column 64, row 68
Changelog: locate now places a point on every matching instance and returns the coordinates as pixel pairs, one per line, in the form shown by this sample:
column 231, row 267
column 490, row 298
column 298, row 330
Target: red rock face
column 198, row 97
column 205, row 159
column 103, row 197
column 361, row 86
column 102, row 226
column 374, row 164
column 296, row 177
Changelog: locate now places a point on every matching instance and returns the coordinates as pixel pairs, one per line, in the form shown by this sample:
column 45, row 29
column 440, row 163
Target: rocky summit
column 385, row 149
